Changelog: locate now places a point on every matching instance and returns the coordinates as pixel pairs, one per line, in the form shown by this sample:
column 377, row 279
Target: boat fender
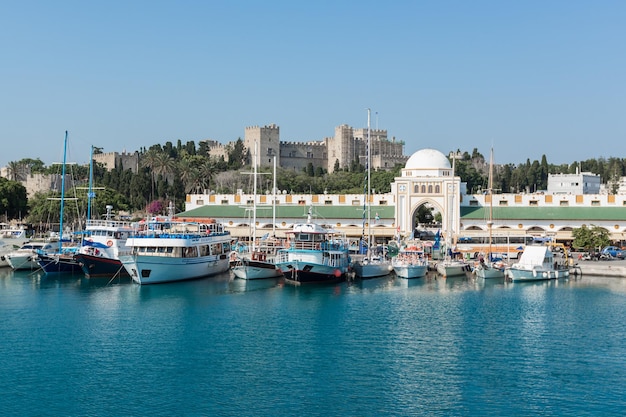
column 109, row 243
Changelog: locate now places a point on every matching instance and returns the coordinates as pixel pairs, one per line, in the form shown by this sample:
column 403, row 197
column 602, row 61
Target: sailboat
column 449, row 266
column 488, row 268
column 258, row 263
column 61, row 261
column 370, row 267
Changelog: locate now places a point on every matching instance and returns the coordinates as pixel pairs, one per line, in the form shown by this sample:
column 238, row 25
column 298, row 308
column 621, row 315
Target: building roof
column 320, row 212
column 546, row 213
column 428, row 159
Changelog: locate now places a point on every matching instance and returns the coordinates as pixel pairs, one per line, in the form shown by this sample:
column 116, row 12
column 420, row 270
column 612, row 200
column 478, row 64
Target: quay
column 612, row 268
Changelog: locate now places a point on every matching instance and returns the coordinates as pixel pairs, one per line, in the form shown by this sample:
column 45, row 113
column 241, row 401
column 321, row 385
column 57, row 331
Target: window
column 382, row 203
column 437, row 189
column 200, row 202
column 564, row 203
column 224, row 201
column 328, row 202
column 503, row 203
column 595, row 202
column 473, row 203
column 533, row 203
column 301, row 202
column 430, row 189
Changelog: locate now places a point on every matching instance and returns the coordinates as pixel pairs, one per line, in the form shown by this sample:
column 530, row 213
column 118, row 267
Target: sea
column 221, row 346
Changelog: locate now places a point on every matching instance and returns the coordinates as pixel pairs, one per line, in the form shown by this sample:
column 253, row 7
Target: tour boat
column 410, row 262
column 315, row 255
column 166, row 250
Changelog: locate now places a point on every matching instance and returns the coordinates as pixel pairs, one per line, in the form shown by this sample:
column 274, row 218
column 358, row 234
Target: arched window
column 437, row 189
column 430, row 189
column 423, row 189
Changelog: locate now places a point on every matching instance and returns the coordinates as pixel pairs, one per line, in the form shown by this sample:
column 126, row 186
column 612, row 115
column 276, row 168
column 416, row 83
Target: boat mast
column 90, row 193
column 62, row 193
column 490, row 193
column 274, row 201
column 369, row 189
column 254, row 198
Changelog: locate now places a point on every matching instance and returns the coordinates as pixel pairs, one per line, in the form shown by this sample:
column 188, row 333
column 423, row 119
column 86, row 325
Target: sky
column 528, row 78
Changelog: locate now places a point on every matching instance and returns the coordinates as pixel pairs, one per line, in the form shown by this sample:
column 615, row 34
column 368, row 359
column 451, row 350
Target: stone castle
column 341, row 150
column 346, row 146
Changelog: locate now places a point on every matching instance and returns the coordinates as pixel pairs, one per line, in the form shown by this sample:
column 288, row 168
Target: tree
column 590, row 238
column 13, row 199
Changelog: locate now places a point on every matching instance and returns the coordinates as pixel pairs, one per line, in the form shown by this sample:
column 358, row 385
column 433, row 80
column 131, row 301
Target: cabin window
column 304, row 237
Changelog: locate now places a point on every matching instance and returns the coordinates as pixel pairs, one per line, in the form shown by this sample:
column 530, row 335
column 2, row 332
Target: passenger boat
column 166, row 250
column 105, row 240
column 315, row 255
column 536, row 264
column 410, row 262
column 26, row 256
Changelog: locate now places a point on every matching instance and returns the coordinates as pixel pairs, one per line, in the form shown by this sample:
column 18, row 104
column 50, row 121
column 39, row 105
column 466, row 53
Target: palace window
column 564, row 203
column 503, row 203
column 533, row 203
column 224, row 201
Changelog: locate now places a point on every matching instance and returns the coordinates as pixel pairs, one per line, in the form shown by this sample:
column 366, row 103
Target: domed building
column 427, row 179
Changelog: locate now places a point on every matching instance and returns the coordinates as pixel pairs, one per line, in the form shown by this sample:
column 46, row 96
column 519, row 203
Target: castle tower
column 268, row 140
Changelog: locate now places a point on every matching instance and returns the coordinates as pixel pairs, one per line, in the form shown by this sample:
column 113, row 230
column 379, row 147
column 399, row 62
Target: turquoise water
column 224, row 347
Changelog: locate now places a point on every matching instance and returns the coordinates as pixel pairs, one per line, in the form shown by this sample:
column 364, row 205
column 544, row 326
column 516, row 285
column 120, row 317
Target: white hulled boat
column 168, row 251
column 490, row 268
column 26, row 256
column 536, row 264
column 370, row 266
column 11, row 239
column 315, row 255
column 410, row 262
column 259, row 261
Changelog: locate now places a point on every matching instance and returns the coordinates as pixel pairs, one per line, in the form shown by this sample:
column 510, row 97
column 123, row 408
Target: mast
column 62, row 193
column 274, row 201
column 254, row 198
column 490, row 194
column 369, row 189
column 90, row 193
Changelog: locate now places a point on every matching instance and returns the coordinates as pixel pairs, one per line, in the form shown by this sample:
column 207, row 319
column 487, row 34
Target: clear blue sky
column 526, row 77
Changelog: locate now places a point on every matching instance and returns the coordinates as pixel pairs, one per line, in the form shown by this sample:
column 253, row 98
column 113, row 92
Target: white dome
column 428, row 159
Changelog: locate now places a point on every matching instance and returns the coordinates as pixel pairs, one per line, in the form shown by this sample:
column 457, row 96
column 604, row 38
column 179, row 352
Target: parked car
column 613, row 252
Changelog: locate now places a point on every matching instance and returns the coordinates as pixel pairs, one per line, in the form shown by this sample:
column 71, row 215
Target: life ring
column 109, row 243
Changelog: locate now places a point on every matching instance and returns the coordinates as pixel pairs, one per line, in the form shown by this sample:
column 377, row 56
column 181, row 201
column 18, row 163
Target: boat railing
column 323, row 245
column 109, row 223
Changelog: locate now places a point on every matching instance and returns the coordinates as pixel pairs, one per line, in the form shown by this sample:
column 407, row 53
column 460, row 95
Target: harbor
column 379, row 347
